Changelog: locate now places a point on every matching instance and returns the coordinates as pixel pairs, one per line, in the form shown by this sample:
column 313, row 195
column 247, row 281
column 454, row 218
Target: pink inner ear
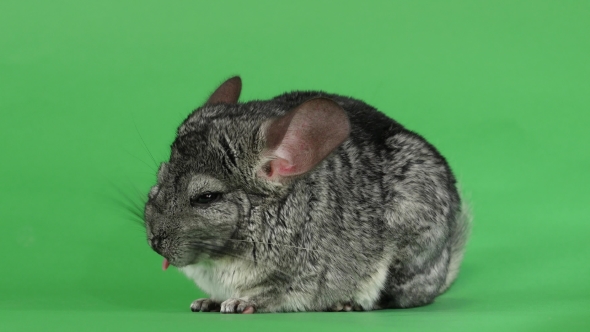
column 281, row 167
column 302, row 138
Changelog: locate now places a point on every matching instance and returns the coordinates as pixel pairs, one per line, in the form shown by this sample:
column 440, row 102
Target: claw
column 346, row 306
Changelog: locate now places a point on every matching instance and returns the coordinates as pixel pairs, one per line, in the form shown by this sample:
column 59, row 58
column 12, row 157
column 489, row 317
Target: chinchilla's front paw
column 232, row 306
column 205, row 305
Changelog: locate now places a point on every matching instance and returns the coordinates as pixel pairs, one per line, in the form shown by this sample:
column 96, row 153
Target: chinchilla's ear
column 227, row 93
column 300, row 139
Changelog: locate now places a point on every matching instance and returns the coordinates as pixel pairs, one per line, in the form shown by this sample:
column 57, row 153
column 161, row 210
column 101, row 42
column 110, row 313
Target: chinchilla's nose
column 156, row 242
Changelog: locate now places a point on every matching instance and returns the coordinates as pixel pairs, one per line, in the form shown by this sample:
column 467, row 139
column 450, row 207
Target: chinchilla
column 305, row 202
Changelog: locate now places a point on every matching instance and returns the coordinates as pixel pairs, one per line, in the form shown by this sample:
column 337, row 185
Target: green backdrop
column 501, row 87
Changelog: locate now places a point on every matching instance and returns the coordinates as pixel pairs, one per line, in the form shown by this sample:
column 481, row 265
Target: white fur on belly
column 220, row 279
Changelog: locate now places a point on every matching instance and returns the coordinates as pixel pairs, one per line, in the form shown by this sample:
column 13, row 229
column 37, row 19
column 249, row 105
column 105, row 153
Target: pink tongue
column 165, row 264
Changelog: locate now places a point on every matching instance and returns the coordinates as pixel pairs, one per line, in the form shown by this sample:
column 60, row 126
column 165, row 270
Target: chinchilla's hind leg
column 413, row 284
column 418, row 272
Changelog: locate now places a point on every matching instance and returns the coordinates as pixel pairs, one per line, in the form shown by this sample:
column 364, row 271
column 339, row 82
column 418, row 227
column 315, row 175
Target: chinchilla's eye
column 206, row 198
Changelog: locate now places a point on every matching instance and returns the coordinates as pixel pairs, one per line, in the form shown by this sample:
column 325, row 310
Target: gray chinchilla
column 306, row 202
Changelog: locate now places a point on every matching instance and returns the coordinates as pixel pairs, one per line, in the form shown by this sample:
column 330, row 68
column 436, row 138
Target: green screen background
column 502, row 88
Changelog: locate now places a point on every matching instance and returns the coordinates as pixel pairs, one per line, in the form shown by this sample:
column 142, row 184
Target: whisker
column 130, row 202
column 218, row 250
column 125, row 201
column 122, row 199
column 142, row 196
column 133, row 211
column 276, row 244
column 143, row 142
column 141, row 160
column 136, row 214
column 139, row 223
column 137, row 202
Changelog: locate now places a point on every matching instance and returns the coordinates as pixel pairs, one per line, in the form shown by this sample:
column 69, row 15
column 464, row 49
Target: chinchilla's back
column 413, row 178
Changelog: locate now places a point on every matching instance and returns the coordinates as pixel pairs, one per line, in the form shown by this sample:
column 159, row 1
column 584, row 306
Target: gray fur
column 376, row 224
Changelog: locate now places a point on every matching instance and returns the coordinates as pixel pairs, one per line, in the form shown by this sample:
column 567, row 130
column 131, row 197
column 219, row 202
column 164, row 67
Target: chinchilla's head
column 226, row 157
